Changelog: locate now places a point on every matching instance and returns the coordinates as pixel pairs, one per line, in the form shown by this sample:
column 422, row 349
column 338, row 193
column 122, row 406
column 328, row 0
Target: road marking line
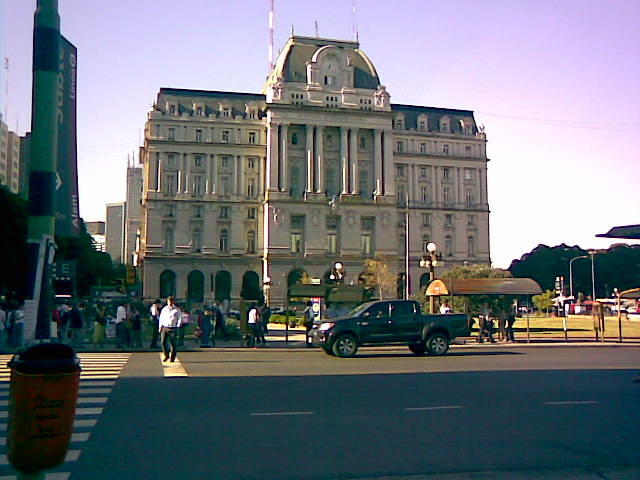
column 172, row 369
column 94, row 391
column 48, row 476
column 4, row 403
column 4, row 414
column 83, row 400
column 80, row 437
column 89, row 411
column 99, row 377
column 83, row 423
column 96, row 384
column 266, row 414
column 443, row 407
column 575, row 402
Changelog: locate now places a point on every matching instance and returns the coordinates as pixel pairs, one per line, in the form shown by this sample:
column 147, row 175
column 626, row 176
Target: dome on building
column 324, row 61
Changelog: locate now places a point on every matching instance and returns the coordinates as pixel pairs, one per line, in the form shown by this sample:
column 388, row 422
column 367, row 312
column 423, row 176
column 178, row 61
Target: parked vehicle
column 389, row 322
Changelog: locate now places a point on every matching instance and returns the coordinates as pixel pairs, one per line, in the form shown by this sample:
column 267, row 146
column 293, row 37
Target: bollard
column 42, row 402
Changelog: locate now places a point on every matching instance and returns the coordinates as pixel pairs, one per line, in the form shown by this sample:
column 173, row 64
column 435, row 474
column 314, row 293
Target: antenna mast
column 354, row 21
column 6, row 89
column 317, row 32
column 271, row 30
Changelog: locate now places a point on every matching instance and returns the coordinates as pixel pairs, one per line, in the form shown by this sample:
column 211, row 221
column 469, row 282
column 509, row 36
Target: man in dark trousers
column 154, row 313
column 170, row 322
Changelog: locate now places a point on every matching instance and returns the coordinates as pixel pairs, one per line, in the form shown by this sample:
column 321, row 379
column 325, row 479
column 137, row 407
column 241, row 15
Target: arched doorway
column 195, row 286
column 250, row 286
column 167, row 283
column 223, row 285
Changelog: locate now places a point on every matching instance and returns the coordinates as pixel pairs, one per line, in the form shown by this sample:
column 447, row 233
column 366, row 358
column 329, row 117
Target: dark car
column 386, row 323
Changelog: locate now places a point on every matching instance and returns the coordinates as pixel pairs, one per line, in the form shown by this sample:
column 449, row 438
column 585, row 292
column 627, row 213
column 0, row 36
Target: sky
column 555, row 83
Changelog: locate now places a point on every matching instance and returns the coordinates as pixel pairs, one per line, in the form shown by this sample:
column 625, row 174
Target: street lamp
column 593, row 276
column 571, row 273
column 430, row 260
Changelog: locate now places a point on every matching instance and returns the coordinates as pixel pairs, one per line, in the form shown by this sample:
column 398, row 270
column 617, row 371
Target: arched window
column 195, row 286
column 168, row 243
column 448, row 245
column 196, row 240
column 223, row 285
column 251, row 241
column 471, row 246
column 250, row 286
column 223, row 241
column 167, row 283
column 445, row 125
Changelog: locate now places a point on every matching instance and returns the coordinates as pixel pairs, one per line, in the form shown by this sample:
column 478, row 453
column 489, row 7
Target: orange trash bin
column 42, row 403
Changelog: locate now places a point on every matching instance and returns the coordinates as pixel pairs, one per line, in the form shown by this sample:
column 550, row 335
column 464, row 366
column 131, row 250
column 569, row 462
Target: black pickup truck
column 389, row 322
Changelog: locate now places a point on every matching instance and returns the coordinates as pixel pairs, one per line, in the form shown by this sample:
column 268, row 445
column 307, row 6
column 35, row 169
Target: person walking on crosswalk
column 170, row 322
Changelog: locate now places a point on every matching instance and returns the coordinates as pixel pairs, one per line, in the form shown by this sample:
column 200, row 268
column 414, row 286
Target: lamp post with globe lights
column 431, row 259
column 338, row 273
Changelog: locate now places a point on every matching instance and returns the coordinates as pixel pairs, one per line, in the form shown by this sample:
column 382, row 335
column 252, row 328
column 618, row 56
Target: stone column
column 353, row 160
column 184, row 174
column 272, row 157
column 160, row 173
column 234, row 175
column 152, row 175
column 377, row 161
column 410, row 186
column 309, row 149
column 207, row 175
column 460, row 189
column 284, row 152
column 344, row 158
column 436, row 186
column 319, row 151
column 482, row 185
column 262, row 162
column 241, row 179
column 214, row 173
column 389, row 179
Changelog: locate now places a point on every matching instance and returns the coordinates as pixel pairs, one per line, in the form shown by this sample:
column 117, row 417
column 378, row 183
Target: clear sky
column 556, row 83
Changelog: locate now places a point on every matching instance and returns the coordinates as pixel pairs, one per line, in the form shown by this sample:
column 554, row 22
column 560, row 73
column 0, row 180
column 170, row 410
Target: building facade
column 247, row 189
column 114, row 231
column 132, row 212
column 9, row 159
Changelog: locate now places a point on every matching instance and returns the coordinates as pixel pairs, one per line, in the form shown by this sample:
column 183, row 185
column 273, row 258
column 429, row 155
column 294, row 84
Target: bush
column 281, row 319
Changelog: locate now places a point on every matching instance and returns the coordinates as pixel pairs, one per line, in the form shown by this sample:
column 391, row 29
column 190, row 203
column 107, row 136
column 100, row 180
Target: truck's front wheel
column 437, row 344
column 345, row 346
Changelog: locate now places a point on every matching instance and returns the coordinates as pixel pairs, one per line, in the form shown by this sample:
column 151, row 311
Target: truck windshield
column 358, row 310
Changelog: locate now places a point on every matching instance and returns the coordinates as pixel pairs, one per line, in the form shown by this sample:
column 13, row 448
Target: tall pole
column 571, row 272
column 593, row 279
column 406, row 254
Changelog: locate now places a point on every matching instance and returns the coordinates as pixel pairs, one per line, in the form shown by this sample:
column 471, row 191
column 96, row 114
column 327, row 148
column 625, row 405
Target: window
column 198, row 211
column 225, row 161
column 467, row 151
column 225, row 136
column 251, row 241
column 171, row 160
column 448, row 245
column 471, row 220
column 173, row 109
column 172, row 184
column 196, row 240
column 424, row 172
column 400, row 146
column 223, row 241
column 448, row 220
column 297, row 233
column 363, row 183
column 198, row 134
column 198, row 160
column 402, row 245
column 422, row 126
column 170, row 210
column 168, row 244
column 199, row 111
column 401, row 194
column 294, row 138
column 445, row 149
column 252, row 114
column 446, row 195
column 426, row 219
column 401, row 171
column 446, row 173
column 251, row 212
column 294, row 179
column 398, row 122
column 363, row 143
column 251, row 163
column 171, row 135
column 333, row 231
column 225, row 212
column 445, row 125
column 425, row 242
column 251, row 187
column 297, row 222
column 468, row 175
column 226, row 112
column 198, row 185
column 471, row 246
column 423, row 147
column 366, row 238
column 225, row 187
column 252, row 138
column 424, row 195
column 468, row 198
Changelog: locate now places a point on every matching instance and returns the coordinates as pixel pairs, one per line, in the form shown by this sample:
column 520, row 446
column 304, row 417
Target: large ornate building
column 242, row 189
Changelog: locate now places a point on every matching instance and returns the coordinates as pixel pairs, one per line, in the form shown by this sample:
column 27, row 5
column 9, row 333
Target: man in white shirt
column 170, row 321
column 122, row 329
column 252, row 321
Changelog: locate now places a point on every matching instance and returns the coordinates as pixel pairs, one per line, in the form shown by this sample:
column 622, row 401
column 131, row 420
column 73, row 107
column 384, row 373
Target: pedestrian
column 266, row 315
column 3, row 322
column 221, row 324
column 308, row 322
column 445, row 308
column 154, row 311
column 252, row 323
column 170, row 321
column 502, row 326
column 64, row 323
column 121, row 325
column 205, row 323
column 511, row 319
column 183, row 328
column 99, row 326
column 260, row 327
column 76, row 325
column 136, row 328
column 17, row 327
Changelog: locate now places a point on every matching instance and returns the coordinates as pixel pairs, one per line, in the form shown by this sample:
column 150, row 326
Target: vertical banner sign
column 67, row 206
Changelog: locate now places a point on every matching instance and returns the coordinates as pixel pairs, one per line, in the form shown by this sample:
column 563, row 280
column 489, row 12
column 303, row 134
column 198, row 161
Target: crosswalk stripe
column 85, row 400
column 47, row 476
column 173, row 369
column 89, row 411
column 90, row 391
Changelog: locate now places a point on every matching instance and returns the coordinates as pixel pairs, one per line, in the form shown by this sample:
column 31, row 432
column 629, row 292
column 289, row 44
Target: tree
column 376, row 274
column 13, row 245
column 544, row 301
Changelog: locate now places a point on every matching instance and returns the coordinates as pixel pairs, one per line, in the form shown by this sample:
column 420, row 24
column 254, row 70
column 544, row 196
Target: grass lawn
column 578, row 326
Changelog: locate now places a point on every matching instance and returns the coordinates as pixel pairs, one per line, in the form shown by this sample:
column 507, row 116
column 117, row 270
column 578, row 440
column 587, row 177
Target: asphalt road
column 299, row 414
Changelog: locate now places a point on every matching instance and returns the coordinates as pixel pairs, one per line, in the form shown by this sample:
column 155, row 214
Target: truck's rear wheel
column 418, row 348
column 345, row 346
column 437, row 344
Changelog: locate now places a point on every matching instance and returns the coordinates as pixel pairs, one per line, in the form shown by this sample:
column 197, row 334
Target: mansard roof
column 433, row 114
column 211, row 98
column 291, row 64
